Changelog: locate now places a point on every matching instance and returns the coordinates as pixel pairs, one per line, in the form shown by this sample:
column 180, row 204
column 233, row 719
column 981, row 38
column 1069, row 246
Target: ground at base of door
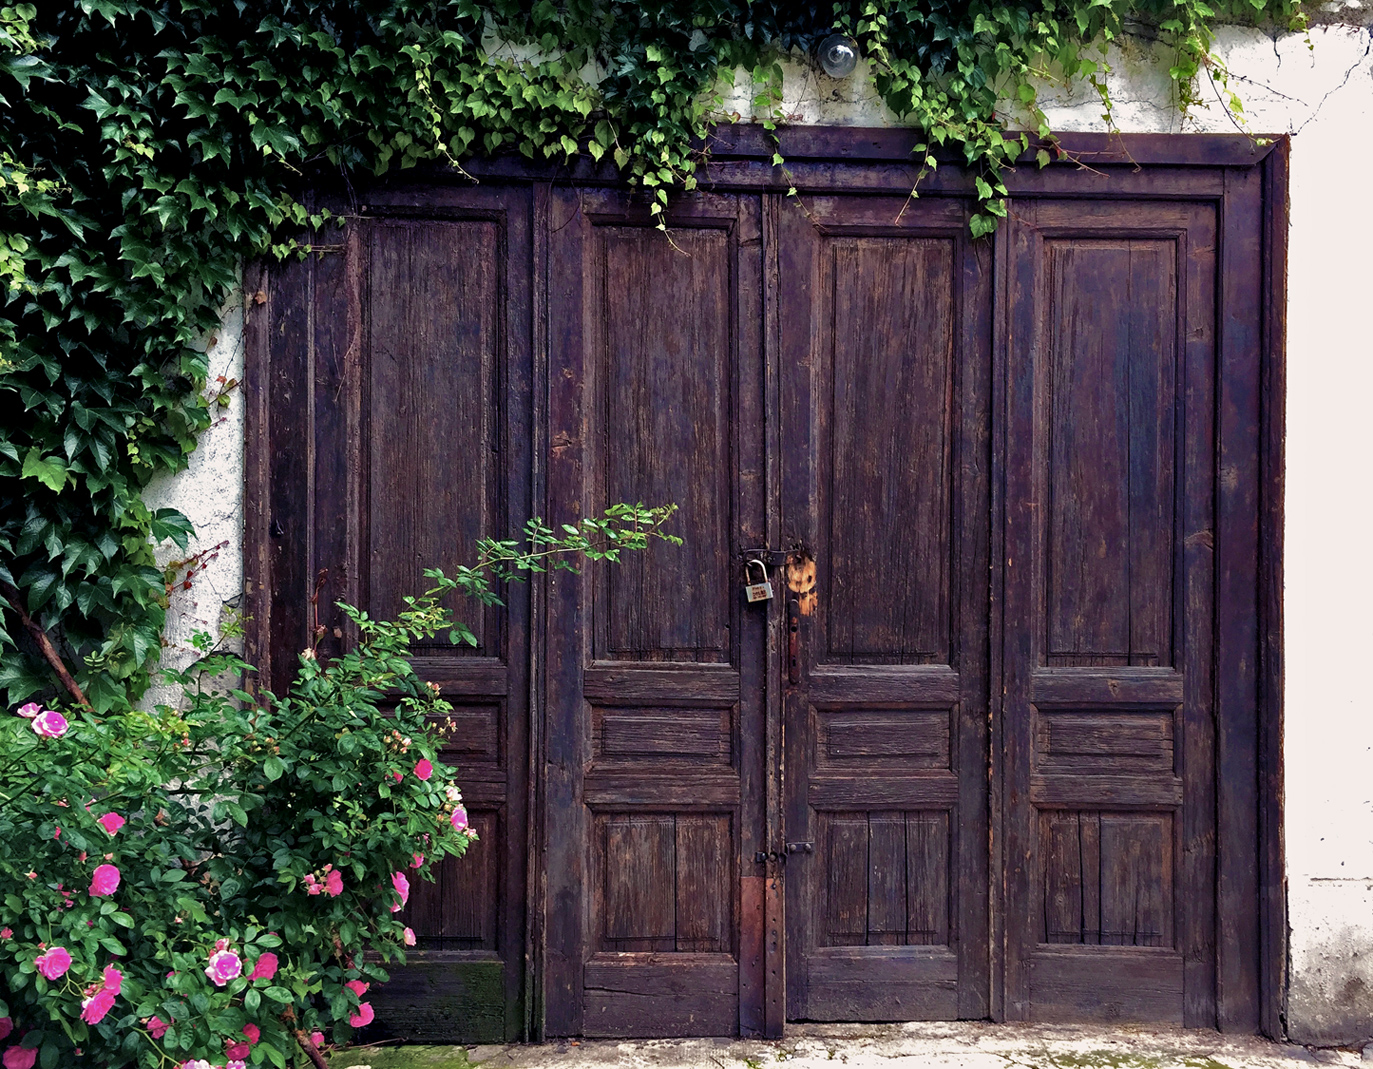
column 960, row 1045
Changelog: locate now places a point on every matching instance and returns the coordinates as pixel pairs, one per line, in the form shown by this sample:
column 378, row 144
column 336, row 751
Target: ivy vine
column 148, row 147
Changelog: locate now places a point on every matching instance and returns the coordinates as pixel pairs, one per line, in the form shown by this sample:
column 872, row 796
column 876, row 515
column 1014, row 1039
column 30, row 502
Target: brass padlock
column 757, row 591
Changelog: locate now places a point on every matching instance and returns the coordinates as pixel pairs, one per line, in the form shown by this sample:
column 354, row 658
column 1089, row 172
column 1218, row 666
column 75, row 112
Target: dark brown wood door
column 396, row 365
column 655, row 666
column 885, row 348
column 1118, row 499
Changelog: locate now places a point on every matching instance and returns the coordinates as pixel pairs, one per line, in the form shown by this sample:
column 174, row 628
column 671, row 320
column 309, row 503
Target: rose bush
column 218, row 885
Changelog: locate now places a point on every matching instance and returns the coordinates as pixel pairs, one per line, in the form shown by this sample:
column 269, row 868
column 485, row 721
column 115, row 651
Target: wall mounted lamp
column 838, row 55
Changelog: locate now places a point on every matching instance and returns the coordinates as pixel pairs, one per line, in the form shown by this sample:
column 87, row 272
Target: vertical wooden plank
column 969, row 835
column 1088, row 445
column 1151, row 309
column 927, row 882
column 640, row 880
column 887, row 878
column 1089, row 850
column 1273, row 902
column 704, row 888
column 336, row 320
column 536, row 902
column 566, row 746
column 257, row 469
column 291, row 452
column 1063, row 877
column 776, row 976
column 1194, row 628
column 1237, row 652
column 846, row 879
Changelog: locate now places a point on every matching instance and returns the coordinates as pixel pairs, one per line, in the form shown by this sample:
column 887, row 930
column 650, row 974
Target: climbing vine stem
column 149, row 147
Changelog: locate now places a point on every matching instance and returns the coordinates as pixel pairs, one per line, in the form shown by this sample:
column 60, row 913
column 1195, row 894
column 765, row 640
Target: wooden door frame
column 857, row 160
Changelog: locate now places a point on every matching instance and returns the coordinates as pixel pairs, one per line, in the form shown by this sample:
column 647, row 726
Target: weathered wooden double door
column 991, row 748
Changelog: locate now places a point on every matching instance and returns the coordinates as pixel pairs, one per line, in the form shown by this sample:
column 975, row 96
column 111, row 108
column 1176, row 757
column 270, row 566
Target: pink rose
column 363, row 1016
column 397, row 776
column 157, row 1027
column 233, row 1063
column 416, row 861
column 111, row 822
column 263, row 969
column 357, row 987
column 50, row 724
column 104, row 881
column 333, row 884
column 424, row 769
column 93, row 1009
column 317, row 1038
column 113, row 979
column 409, row 937
column 252, row 1032
column 30, row 710
column 311, row 884
column 237, row 1051
column 6, row 1027
column 53, row 963
column 19, row 1058
column 402, row 886
column 223, row 966
column 459, row 819
column 6, row 933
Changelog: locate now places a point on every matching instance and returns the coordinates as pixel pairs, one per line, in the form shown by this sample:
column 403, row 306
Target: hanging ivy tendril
column 147, row 147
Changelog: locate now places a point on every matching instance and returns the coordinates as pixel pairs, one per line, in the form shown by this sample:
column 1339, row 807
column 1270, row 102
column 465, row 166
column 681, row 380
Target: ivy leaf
column 50, row 471
column 169, row 523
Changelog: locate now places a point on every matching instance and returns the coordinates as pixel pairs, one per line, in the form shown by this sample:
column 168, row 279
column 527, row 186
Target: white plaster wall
column 1323, row 95
column 210, row 494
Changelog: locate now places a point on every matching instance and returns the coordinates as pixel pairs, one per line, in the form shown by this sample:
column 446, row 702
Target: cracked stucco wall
column 1323, row 94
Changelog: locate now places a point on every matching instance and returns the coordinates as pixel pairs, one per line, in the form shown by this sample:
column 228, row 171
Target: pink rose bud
column 252, row 1032
column 264, row 969
column 157, row 1027
column 363, row 1016
column 223, row 966
column 93, row 1009
column 104, row 880
column 111, row 822
column 333, row 884
column 416, row 860
column 19, row 1058
column 317, row 1038
column 459, row 819
column 6, row 933
column 113, row 979
column 424, row 769
column 53, row 963
column 357, row 987
column 50, row 724
column 29, row 710
column 402, row 886
column 409, row 937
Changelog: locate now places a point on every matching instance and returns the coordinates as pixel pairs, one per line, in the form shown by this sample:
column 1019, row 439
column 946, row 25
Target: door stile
column 771, row 1020
column 1237, row 586
column 536, row 801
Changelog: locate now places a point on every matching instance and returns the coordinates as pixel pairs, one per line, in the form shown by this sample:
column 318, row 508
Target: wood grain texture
column 1110, row 323
column 891, row 390
column 433, row 421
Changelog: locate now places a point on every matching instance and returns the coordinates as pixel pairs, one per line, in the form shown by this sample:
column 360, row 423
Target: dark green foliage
column 148, row 146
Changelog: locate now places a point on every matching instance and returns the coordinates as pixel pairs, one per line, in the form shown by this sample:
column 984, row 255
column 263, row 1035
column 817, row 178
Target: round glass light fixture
column 838, row 55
